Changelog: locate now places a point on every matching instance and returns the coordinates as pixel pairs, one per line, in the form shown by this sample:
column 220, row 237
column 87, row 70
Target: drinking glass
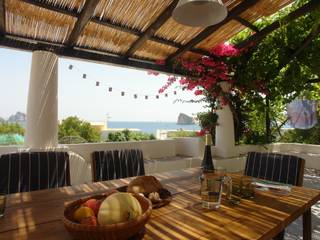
column 211, row 189
column 2, row 204
column 247, row 187
column 233, row 189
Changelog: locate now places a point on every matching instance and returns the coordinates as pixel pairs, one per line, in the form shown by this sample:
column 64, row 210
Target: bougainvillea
column 205, row 74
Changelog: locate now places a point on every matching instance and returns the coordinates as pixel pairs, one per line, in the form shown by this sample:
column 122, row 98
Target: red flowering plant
column 203, row 78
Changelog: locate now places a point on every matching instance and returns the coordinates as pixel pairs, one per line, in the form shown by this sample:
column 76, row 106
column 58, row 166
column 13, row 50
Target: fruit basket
column 117, row 231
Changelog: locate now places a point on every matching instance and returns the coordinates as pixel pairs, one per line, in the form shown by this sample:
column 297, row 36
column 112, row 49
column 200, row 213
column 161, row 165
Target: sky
column 81, row 97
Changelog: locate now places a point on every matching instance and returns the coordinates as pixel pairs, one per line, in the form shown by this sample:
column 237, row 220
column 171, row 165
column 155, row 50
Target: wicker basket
column 117, row 231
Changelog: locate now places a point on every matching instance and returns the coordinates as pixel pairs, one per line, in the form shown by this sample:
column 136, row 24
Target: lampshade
column 199, row 13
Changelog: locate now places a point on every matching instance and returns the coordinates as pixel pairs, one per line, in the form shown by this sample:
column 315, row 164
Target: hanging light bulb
column 199, row 13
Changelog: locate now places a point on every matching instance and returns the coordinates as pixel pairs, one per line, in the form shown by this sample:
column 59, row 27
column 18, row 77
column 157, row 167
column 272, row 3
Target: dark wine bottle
column 207, row 163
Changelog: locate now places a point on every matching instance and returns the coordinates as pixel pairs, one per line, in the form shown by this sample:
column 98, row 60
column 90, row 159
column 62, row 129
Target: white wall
column 160, row 155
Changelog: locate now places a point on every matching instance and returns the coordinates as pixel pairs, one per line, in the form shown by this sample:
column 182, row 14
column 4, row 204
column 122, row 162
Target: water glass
column 2, row 204
column 232, row 190
column 211, row 190
column 247, row 187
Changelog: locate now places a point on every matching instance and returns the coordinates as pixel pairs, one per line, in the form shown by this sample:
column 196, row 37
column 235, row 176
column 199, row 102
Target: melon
column 119, row 207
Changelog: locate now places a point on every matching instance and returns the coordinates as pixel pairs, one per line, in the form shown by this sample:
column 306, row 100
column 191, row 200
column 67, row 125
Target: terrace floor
column 294, row 231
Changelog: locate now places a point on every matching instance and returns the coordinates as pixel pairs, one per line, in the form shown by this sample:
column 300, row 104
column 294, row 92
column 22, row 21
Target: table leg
column 307, row 225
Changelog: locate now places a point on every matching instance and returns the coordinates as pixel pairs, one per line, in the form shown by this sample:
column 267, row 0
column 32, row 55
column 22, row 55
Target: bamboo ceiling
column 136, row 33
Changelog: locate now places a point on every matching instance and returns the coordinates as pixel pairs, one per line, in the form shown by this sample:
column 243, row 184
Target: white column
column 224, row 139
column 42, row 106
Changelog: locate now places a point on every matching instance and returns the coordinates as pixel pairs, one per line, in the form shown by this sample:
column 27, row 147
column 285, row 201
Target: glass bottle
column 207, row 163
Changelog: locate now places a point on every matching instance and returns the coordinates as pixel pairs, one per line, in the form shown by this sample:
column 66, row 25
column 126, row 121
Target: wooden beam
column 163, row 17
column 94, row 55
column 108, row 23
column 246, row 23
column 2, row 18
column 85, row 16
column 258, row 37
column 211, row 29
column 303, row 45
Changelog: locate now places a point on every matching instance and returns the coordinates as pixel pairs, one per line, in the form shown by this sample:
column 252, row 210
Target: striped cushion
column 108, row 165
column 275, row 167
column 29, row 171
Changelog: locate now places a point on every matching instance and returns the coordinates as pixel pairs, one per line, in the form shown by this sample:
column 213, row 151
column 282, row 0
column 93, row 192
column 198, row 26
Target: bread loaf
column 145, row 185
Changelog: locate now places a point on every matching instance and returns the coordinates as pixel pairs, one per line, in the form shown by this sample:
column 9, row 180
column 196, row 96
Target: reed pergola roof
column 133, row 33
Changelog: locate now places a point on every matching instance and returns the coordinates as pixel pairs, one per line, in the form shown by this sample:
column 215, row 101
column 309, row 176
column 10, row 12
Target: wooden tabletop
column 37, row 215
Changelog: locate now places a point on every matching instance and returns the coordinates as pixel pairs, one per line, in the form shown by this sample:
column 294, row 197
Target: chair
column 276, row 167
column 115, row 164
column 30, row 171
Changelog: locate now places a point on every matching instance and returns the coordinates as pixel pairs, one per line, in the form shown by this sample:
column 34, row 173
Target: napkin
column 272, row 185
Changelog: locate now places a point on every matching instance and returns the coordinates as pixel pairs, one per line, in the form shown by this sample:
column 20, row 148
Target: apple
column 82, row 212
column 91, row 221
column 94, row 204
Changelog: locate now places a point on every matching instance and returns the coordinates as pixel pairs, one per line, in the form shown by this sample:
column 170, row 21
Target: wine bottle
column 207, row 163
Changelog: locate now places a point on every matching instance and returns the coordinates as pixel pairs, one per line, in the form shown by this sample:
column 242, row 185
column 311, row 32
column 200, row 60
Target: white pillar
column 224, row 139
column 42, row 107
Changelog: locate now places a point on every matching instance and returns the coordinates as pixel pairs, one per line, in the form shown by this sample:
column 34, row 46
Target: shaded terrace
column 136, row 35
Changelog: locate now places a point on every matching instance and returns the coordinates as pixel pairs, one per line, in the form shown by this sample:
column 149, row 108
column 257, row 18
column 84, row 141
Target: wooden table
column 37, row 215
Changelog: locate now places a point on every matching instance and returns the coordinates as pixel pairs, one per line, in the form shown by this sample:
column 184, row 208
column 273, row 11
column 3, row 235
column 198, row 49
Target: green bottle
column 207, row 163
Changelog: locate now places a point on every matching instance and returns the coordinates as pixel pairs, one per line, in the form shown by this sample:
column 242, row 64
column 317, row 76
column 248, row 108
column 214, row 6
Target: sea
column 152, row 127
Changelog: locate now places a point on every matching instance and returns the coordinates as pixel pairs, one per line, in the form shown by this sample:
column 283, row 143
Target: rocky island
column 184, row 119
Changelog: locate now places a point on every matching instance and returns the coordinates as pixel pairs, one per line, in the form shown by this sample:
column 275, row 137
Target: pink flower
column 198, row 92
column 202, row 132
column 153, row 73
column 225, row 50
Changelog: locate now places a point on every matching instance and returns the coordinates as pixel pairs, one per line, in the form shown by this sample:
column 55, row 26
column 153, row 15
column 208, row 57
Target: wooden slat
column 2, row 18
column 163, row 17
column 42, row 4
column 258, row 37
column 211, row 29
column 108, row 23
column 246, row 23
column 85, row 16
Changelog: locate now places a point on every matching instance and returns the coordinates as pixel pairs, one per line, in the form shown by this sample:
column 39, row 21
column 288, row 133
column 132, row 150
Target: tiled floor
column 294, row 231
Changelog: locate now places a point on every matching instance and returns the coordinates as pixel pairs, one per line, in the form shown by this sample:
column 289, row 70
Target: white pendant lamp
column 199, row 13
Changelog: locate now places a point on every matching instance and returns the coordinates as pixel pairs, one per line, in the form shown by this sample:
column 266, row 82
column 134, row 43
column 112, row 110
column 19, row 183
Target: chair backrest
column 275, row 167
column 30, row 171
column 108, row 165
